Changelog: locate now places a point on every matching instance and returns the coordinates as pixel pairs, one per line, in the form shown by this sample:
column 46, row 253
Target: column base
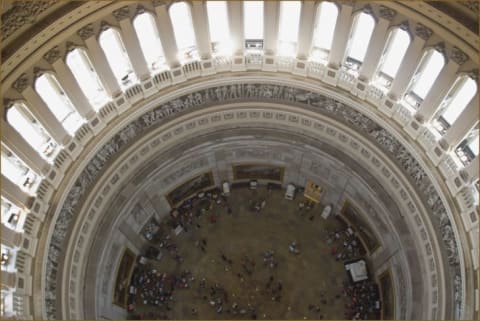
column 177, row 75
column 300, row 67
column 414, row 128
column 207, row 67
column 238, row 63
column 359, row 88
column 388, row 106
column 331, row 76
column 74, row 148
column 269, row 63
column 436, row 154
column 121, row 103
column 148, row 87
column 96, row 124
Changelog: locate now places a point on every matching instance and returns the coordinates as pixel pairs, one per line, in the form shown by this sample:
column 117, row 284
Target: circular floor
column 239, row 265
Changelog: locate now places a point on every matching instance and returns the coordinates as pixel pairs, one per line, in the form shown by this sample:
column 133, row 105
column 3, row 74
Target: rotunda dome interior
column 240, row 159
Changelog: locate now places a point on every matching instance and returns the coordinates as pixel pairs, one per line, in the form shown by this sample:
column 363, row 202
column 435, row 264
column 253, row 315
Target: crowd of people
column 155, row 288
column 363, row 300
column 344, row 244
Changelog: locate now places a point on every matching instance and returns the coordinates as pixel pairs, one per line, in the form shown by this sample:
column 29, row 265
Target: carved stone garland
column 244, row 92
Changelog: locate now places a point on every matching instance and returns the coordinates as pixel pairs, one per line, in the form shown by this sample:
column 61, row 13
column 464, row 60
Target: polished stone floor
column 231, row 264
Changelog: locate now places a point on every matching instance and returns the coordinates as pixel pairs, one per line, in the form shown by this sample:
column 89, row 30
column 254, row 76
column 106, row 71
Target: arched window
column 359, row 39
column 327, row 14
column 12, row 216
column 31, row 130
column 183, row 30
column 117, row 57
column 56, row 99
column 288, row 27
column 17, row 172
column 147, row 33
column 253, row 24
column 425, row 76
column 467, row 150
column 219, row 28
column 397, row 45
column 87, row 78
column 455, row 102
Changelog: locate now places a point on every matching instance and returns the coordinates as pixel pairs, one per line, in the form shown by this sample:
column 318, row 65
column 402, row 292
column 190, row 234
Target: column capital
column 22, row 82
column 473, row 74
column 458, row 56
column 387, row 13
column 53, row 55
column 122, row 13
column 86, row 32
column 423, row 32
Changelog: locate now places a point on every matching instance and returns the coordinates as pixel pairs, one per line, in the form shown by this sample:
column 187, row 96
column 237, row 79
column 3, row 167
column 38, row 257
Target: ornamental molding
column 22, row 13
column 244, row 92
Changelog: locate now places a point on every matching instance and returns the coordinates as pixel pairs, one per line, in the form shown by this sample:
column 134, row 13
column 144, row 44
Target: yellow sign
column 313, row 192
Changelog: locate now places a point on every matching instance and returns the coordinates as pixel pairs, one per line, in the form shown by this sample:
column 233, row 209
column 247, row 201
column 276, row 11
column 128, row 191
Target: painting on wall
column 258, row 171
column 356, row 220
column 125, row 268
column 190, row 188
column 387, row 295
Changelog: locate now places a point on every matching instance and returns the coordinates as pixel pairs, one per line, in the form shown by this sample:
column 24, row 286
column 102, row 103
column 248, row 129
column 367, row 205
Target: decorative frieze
column 22, row 13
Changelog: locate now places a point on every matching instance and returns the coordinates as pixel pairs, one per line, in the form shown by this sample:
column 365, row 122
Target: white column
column 341, row 35
column 375, row 49
column 407, row 68
column 100, row 63
column 15, row 194
column 271, row 19
column 11, row 238
column 9, row 279
column 201, row 27
column 464, row 123
column 235, row 16
column 134, row 51
column 437, row 93
column 472, row 169
column 18, row 145
column 69, row 83
column 48, row 120
column 167, row 37
column 306, row 28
